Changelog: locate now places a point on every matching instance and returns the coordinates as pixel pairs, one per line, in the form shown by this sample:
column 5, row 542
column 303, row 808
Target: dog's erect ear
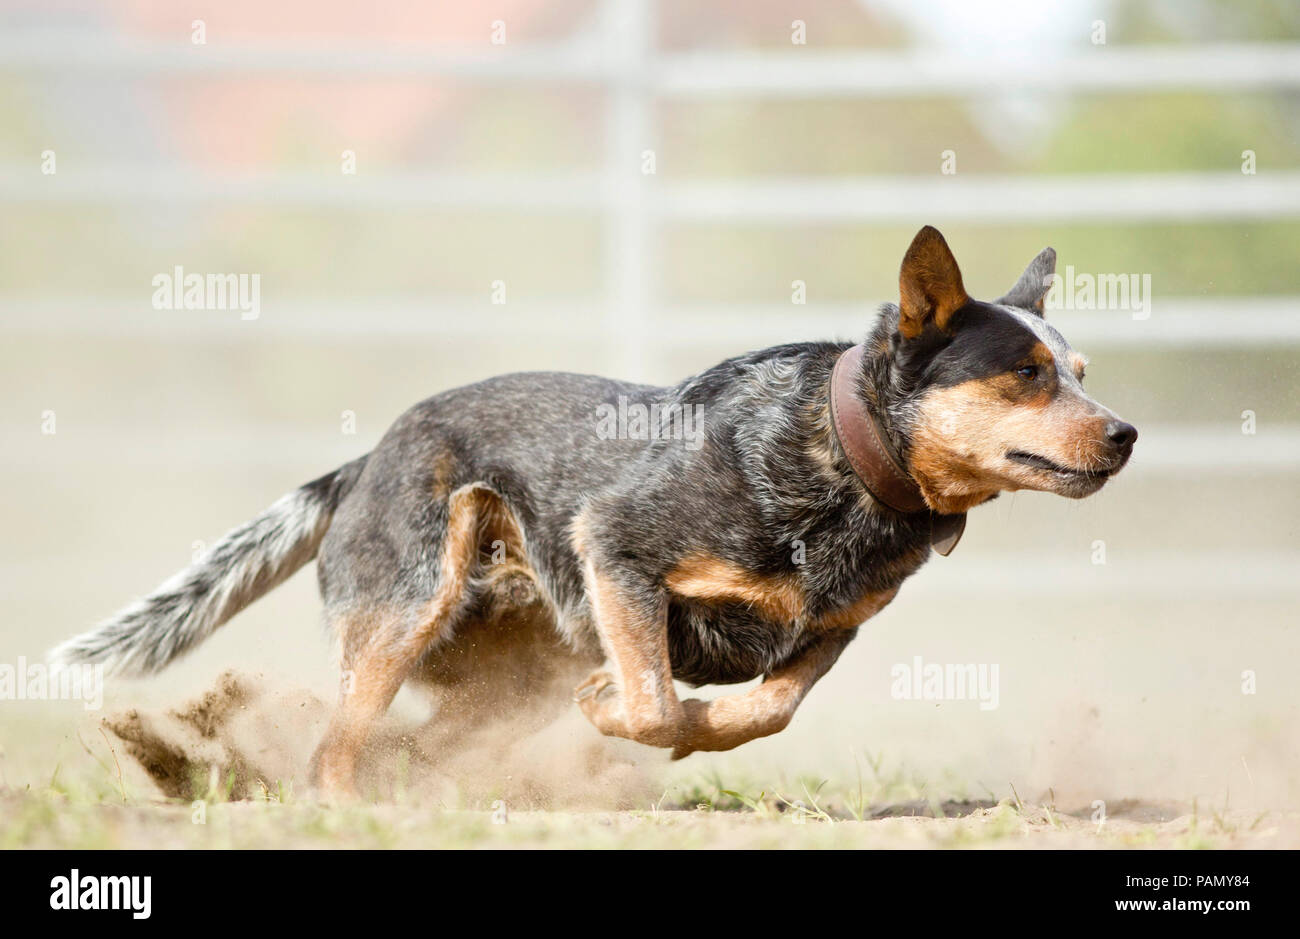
column 929, row 284
column 1031, row 289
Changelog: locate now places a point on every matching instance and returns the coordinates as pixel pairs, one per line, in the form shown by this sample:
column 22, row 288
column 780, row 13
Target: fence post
column 629, row 244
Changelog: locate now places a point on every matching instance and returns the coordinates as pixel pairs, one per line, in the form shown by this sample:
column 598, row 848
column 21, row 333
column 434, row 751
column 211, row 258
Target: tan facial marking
column 1009, row 386
column 700, row 577
column 1042, row 356
column 962, row 434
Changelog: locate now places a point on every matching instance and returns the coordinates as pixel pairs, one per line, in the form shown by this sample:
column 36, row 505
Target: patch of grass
column 812, row 797
column 875, row 804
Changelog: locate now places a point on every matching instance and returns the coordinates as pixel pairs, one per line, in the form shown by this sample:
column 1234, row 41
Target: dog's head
column 988, row 396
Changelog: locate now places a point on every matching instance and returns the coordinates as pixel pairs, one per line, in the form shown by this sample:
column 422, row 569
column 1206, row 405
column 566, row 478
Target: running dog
column 819, row 476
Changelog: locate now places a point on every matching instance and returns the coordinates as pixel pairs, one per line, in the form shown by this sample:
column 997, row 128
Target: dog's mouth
column 1064, row 472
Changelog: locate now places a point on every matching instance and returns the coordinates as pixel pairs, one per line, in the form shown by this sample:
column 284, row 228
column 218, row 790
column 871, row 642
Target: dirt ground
column 49, row 821
column 225, row 769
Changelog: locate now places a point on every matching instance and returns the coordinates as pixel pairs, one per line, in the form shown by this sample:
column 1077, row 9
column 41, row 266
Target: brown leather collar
column 873, row 461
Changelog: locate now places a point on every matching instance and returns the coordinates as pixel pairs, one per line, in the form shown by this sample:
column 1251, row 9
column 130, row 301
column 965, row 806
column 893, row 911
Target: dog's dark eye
column 1028, row 372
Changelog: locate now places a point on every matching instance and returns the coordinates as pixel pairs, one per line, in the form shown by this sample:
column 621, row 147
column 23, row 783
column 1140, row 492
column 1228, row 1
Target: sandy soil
column 225, row 769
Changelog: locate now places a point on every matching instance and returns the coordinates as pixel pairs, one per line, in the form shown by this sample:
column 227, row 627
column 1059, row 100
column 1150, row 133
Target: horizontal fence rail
column 618, row 55
column 970, row 197
column 1140, row 197
column 1176, row 322
column 806, row 73
column 1217, row 67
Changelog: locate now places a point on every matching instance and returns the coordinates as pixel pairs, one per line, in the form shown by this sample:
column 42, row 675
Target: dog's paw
column 597, row 685
column 598, row 699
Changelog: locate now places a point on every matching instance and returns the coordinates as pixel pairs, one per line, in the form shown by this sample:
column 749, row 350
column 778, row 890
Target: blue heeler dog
column 821, row 477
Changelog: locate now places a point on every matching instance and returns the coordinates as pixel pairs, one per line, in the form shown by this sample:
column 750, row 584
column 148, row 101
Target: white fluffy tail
column 244, row 565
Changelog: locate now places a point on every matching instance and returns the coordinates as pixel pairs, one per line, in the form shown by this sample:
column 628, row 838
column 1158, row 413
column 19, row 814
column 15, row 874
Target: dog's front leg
column 729, row 721
column 637, row 701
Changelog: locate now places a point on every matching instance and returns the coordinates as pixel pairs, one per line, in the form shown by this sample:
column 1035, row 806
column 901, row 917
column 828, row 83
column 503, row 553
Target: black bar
column 336, row 888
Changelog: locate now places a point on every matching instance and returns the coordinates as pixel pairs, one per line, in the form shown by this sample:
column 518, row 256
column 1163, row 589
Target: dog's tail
column 244, row 565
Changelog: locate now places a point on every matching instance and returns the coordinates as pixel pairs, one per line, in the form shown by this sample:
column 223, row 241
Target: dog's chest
column 727, row 624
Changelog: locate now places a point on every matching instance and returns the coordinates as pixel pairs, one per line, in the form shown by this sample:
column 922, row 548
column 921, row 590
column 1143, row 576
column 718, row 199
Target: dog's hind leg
column 383, row 644
column 370, row 680
column 506, row 664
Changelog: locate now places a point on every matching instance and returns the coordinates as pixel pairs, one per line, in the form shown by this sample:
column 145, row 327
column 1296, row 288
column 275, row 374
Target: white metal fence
column 619, row 55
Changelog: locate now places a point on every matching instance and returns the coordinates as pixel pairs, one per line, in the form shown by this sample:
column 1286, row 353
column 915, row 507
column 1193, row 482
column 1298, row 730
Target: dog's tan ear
column 929, row 284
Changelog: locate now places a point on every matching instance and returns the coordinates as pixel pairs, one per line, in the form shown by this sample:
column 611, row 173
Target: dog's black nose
column 1121, row 434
